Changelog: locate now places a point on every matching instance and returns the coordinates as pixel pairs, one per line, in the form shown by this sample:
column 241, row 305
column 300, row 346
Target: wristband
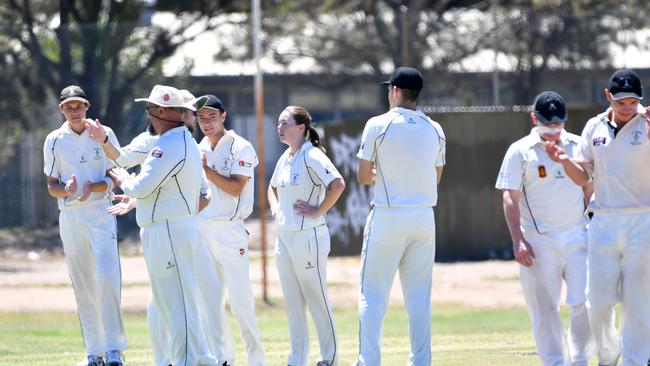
column 109, row 183
column 105, row 140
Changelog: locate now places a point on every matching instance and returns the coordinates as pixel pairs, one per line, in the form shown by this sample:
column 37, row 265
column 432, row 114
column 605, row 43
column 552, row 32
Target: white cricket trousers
column 619, row 271
column 170, row 250
column 227, row 242
column 212, row 295
column 558, row 255
column 89, row 237
column 301, row 259
column 397, row 239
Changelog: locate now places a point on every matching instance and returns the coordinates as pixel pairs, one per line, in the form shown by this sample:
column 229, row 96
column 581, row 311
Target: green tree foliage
column 105, row 46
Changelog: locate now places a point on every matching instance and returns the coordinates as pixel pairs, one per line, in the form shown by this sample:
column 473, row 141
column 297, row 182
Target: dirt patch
column 34, row 277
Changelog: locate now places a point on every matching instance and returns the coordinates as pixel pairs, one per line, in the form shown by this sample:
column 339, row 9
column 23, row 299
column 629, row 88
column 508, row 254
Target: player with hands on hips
column 402, row 154
column 614, row 151
column 228, row 162
column 76, row 167
column 544, row 211
column 304, row 186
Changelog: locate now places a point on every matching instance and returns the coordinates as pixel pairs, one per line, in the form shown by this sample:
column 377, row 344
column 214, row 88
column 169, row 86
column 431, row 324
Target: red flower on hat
column 166, row 97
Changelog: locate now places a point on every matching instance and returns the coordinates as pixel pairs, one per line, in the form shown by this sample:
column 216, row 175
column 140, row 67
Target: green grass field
column 460, row 337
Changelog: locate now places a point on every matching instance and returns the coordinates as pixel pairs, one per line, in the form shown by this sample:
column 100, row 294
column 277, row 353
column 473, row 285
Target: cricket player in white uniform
column 228, row 162
column 615, row 152
column 402, row 154
column 168, row 190
column 132, row 155
column 76, row 167
column 304, row 186
column 544, row 210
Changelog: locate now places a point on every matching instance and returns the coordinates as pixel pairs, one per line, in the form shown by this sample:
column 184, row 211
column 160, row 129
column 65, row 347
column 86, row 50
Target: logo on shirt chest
column 295, row 179
column 83, row 160
column 226, row 164
column 97, row 155
column 599, row 141
column 636, row 137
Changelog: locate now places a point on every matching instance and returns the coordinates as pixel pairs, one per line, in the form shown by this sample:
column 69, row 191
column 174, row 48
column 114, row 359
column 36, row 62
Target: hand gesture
column 305, row 209
column 123, row 206
column 556, row 152
column 119, row 175
column 524, row 253
column 86, row 190
column 70, row 186
column 95, row 130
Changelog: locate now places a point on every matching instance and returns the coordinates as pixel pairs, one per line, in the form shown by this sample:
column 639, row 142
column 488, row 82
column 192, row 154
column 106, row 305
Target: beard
column 151, row 130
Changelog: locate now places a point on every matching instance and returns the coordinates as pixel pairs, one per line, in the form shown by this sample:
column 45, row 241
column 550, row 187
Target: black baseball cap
column 209, row 101
column 406, row 78
column 72, row 92
column 549, row 108
column 625, row 83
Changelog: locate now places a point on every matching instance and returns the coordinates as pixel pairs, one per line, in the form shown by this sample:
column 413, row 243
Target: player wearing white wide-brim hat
column 614, row 151
column 544, row 210
column 229, row 161
column 75, row 167
column 168, row 190
column 402, row 154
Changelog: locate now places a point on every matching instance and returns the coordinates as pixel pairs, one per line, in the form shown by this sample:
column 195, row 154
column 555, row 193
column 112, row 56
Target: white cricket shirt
column 406, row 147
column 137, row 150
column 66, row 153
column 303, row 176
column 551, row 201
column 621, row 164
column 232, row 155
column 168, row 185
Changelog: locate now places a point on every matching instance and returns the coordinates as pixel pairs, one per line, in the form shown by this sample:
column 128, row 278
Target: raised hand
column 556, row 152
column 71, row 186
column 123, row 206
column 118, row 175
column 305, row 209
column 95, row 130
column 204, row 161
column 86, row 190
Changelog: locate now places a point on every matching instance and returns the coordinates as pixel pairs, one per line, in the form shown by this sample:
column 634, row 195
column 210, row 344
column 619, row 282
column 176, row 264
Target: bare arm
column 366, row 172
column 332, row 194
column 232, row 185
column 439, row 173
column 204, row 199
column 574, row 170
column 588, row 190
column 98, row 134
column 522, row 250
column 58, row 189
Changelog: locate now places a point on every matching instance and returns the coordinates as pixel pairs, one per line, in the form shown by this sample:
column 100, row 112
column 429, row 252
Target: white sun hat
column 168, row 97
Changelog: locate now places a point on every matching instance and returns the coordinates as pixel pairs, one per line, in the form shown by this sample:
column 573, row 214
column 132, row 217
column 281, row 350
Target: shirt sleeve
column 441, row 159
column 159, row 166
column 320, row 167
column 511, row 173
column 584, row 153
column 135, row 152
column 245, row 162
column 50, row 167
column 113, row 139
column 368, row 138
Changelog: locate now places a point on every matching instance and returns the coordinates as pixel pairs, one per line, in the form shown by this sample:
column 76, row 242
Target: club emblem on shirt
column 226, row 164
column 295, row 179
column 541, row 171
column 97, row 156
column 245, row 164
column 599, row 141
column 636, row 137
column 329, row 169
column 242, row 251
column 157, row 153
